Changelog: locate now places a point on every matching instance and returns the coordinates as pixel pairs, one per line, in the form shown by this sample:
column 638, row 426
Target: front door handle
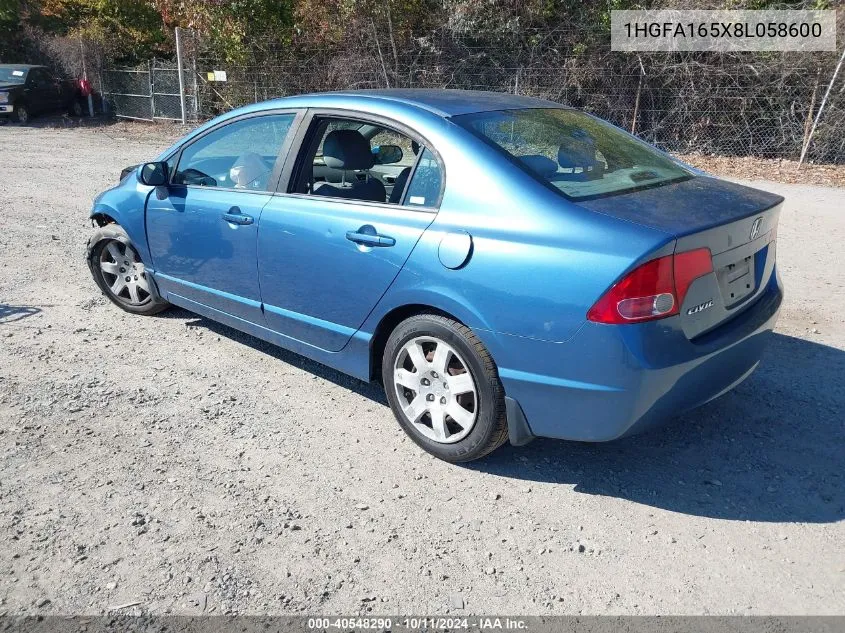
column 368, row 236
column 234, row 216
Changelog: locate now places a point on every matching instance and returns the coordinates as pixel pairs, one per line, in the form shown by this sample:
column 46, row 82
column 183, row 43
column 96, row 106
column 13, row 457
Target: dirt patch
column 771, row 169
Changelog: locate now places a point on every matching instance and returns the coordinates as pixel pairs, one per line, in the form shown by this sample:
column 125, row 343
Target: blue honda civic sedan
column 505, row 266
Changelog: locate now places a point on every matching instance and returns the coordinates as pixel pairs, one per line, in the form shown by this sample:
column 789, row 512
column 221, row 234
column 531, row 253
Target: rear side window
column 424, row 188
column 240, row 155
column 350, row 159
column 38, row 77
column 580, row 156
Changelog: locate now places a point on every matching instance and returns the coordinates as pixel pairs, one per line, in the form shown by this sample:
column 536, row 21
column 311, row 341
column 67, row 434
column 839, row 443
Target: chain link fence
column 736, row 104
column 152, row 92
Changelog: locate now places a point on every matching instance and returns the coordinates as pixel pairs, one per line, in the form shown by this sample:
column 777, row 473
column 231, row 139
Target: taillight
column 653, row 290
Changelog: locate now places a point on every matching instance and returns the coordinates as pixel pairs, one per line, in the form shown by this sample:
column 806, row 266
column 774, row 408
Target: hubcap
column 23, row 115
column 124, row 273
column 435, row 389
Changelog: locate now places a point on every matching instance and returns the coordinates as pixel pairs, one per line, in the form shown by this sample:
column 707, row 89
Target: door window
column 353, row 160
column 38, row 78
column 424, row 188
column 390, row 138
column 240, row 155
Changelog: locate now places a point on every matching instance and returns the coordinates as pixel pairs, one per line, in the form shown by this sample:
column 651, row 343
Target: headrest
column 539, row 164
column 347, row 149
column 576, row 154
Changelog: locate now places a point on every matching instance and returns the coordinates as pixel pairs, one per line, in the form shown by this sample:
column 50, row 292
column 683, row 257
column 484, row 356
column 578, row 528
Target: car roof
column 22, row 66
column 399, row 102
column 445, row 103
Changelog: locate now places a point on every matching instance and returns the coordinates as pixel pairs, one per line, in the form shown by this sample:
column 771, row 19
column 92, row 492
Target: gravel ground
column 179, row 466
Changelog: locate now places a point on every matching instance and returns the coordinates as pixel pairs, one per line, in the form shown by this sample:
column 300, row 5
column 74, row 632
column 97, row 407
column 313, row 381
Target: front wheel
column 444, row 389
column 119, row 272
column 21, row 114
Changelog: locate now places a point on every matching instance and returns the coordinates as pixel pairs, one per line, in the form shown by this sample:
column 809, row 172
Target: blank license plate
column 736, row 280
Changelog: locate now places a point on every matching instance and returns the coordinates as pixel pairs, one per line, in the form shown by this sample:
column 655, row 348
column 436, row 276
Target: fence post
column 637, row 99
column 380, row 56
column 821, row 108
column 85, row 77
column 179, row 70
column 151, row 65
column 194, row 51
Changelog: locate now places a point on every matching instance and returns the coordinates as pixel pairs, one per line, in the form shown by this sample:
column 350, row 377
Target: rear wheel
column 75, row 108
column 119, row 272
column 21, row 114
column 444, row 389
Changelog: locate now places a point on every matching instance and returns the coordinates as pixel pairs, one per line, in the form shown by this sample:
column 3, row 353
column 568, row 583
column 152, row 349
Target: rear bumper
column 611, row 381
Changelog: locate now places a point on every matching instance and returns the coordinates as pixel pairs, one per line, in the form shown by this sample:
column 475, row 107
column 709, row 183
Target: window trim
column 278, row 165
column 305, row 138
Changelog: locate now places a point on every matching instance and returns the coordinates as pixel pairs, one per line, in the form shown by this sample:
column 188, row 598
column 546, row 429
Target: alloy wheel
column 436, row 390
column 124, row 273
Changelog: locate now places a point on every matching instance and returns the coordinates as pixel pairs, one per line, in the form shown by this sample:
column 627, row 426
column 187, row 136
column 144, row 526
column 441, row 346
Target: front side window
column 240, row 155
column 578, row 155
column 36, row 77
column 389, row 138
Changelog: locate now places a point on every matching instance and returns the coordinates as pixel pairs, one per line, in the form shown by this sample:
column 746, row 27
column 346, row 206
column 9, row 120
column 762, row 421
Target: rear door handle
column 234, row 216
column 367, row 236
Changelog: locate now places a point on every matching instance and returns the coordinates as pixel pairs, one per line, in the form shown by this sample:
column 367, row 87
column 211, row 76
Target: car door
column 325, row 262
column 39, row 97
column 202, row 227
column 52, row 90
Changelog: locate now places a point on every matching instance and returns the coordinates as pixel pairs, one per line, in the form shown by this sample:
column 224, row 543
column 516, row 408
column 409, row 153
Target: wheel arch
column 101, row 218
column 388, row 323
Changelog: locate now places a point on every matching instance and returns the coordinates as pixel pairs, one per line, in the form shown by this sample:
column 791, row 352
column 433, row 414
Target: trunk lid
column 737, row 224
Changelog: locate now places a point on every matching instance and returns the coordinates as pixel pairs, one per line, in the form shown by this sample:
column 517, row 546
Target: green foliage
column 240, row 30
column 234, row 28
column 132, row 28
column 9, row 15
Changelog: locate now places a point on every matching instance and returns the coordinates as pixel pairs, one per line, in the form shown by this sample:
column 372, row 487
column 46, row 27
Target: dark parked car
column 26, row 90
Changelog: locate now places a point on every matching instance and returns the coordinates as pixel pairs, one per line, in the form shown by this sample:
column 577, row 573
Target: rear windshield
column 12, row 75
column 580, row 156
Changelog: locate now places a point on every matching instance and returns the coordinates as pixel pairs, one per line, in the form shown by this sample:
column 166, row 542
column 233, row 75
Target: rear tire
column 75, row 108
column 119, row 272
column 444, row 388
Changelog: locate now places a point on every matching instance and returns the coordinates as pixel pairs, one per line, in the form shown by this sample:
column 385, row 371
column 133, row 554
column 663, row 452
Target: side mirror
column 387, row 154
column 154, row 174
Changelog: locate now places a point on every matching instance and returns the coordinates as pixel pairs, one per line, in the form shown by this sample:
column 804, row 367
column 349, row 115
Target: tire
column 21, row 114
column 457, row 439
column 75, row 108
column 119, row 272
